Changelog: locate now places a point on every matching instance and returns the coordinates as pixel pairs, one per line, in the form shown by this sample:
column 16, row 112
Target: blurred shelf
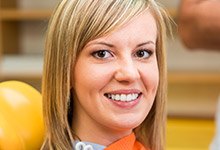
column 19, row 15
column 196, row 77
column 21, row 67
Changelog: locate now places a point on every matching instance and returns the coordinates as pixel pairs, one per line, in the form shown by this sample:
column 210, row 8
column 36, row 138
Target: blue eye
column 143, row 54
column 102, row 54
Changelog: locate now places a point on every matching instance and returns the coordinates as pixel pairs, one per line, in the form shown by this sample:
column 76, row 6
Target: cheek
column 150, row 78
column 92, row 77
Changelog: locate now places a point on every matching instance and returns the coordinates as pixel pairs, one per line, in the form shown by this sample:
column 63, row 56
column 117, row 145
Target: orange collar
column 127, row 143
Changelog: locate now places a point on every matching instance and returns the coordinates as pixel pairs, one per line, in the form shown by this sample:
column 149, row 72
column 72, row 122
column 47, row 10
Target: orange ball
column 21, row 118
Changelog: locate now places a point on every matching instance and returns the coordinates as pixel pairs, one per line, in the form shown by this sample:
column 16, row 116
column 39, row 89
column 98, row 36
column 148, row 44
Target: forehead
column 141, row 27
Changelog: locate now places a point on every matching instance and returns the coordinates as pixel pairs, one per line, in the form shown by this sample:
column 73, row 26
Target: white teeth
column 129, row 97
column 117, row 97
column 112, row 96
column 123, row 97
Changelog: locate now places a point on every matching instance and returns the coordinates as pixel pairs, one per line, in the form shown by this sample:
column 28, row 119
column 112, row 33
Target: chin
column 127, row 124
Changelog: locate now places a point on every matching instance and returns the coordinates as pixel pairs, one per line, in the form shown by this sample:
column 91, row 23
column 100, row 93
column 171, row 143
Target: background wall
column 192, row 97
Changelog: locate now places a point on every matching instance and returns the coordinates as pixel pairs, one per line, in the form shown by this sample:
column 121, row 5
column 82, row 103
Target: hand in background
column 199, row 23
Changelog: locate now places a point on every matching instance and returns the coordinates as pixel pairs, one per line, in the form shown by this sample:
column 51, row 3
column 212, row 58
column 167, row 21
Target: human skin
column 199, row 23
column 121, row 63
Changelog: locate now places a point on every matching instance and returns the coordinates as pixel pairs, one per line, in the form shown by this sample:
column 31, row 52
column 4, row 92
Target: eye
column 102, row 54
column 143, row 54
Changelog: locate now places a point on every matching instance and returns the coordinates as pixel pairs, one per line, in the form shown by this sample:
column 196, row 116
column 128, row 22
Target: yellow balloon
column 21, row 118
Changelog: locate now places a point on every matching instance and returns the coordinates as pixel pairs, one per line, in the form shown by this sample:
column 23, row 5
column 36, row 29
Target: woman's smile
column 124, row 98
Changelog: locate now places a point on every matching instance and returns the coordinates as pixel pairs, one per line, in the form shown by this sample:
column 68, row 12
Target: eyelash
column 96, row 53
column 149, row 52
column 105, row 52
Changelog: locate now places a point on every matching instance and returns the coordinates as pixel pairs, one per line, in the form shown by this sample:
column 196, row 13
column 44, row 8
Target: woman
column 104, row 76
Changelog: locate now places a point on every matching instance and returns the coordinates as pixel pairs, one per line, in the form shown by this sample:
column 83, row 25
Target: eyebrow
column 145, row 43
column 111, row 45
column 104, row 43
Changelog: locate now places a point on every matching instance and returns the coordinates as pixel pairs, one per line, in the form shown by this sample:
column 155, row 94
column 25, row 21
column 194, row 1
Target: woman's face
column 116, row 79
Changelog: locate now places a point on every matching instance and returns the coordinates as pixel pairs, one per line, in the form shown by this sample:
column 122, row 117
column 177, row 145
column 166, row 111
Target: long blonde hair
column 73, row 24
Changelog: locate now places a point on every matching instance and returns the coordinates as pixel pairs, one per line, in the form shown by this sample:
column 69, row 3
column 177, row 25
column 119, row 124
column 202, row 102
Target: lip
column 124, row 91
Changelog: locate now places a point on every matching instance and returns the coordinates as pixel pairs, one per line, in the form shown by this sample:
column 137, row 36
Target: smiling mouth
column 123, row 97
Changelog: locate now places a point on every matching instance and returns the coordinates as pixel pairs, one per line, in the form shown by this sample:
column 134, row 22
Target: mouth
column 123, row 97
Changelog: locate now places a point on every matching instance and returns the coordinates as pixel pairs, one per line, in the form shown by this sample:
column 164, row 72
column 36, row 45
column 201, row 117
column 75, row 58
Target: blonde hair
column 73, row 24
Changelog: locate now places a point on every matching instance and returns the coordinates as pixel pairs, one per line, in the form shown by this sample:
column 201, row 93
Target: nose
column 127, row 71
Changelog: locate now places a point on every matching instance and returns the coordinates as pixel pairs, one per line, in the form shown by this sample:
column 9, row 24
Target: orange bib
column 127, row 143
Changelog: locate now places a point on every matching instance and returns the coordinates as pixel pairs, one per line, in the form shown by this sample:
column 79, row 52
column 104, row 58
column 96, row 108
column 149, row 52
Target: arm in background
column 199, row 23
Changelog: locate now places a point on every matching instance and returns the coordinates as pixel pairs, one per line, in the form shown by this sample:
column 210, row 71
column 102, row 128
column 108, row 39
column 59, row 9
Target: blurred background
column 193, row 76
